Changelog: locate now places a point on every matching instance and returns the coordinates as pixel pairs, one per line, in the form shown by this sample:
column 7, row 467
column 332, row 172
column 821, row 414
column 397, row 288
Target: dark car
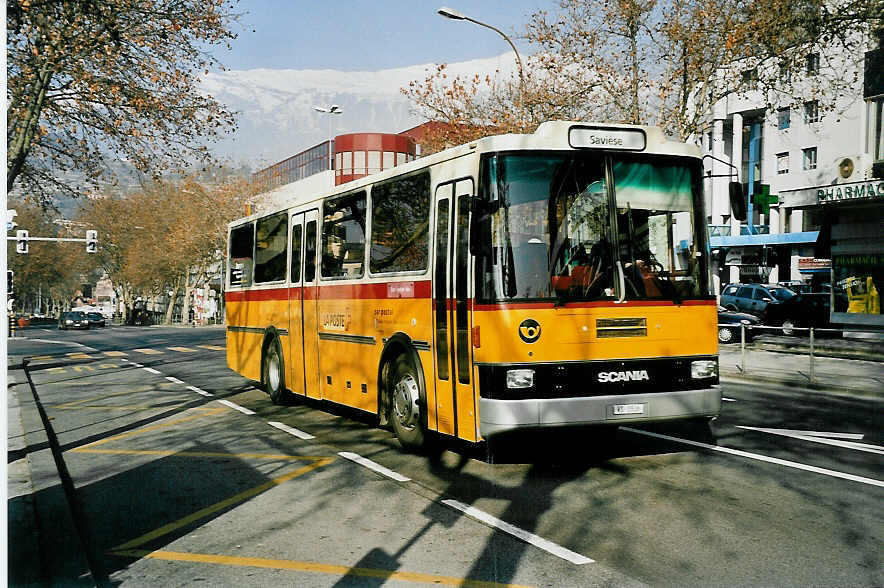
column 731, row 323
column 803, row 311
column 96, row 319
column 73, row 320
column 753, row 298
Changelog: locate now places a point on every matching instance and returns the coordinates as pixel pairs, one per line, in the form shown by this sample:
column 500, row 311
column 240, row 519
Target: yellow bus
column 559, row 278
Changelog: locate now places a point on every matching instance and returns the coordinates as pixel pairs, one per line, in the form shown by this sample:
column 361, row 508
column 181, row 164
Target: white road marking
column 728, row 399
column 525, row 536
column 824, row 438
column 151, row 370
column 291, row 430
column 199, row 391
column 765, row 458
column 236, row 407
column 68, row 343
column 376, row 467
column 176, row 380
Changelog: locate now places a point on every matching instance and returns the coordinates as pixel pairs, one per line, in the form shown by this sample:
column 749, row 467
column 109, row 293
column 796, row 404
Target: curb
column 796, row 384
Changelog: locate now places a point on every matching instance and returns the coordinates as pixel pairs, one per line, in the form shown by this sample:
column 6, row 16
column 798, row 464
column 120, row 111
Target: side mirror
column 738, row 200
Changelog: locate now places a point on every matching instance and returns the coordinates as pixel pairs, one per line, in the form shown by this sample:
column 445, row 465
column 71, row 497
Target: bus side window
column 310, row 252
column 242, row 253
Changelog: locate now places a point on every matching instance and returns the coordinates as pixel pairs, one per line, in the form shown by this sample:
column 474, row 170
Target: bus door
column 455, row 399
column 304, row 341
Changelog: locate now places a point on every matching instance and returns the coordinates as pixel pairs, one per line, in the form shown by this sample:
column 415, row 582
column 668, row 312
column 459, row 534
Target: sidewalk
column 791, row 366
column 823, row 346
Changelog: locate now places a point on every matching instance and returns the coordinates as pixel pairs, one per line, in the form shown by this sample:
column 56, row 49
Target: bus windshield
column 553, row 229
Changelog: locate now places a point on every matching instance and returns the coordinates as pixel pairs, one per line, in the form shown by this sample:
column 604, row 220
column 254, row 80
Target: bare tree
column 89, row 80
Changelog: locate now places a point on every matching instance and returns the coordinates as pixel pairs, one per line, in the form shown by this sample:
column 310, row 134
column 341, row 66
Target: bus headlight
column 705, row 368
column 520, row 378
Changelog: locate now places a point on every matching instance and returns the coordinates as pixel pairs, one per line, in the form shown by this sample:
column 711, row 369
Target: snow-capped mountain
column 275, row 107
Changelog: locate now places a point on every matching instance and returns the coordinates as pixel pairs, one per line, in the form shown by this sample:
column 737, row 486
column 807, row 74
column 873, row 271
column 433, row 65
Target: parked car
column 802, row 311
column 753, row 298
column 73, row 320
column 96, row 319
column 731, row 323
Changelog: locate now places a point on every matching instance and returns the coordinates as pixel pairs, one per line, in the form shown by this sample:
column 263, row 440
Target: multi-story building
column 822, row 160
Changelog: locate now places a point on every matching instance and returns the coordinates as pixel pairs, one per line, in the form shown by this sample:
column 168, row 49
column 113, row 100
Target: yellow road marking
column 115, row 353
column 79, row 355
column 204, row 411
column 313, row 567
column 42, row 357
column 56, row 370
column 209, row 510
column 212, row 347
column 169, row 453
column 182, row 349
column 116, row 407
column 80, row 368
column 148, row 351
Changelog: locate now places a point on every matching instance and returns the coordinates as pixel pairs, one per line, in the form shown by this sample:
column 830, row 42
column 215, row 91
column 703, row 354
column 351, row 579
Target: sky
column 360, row 35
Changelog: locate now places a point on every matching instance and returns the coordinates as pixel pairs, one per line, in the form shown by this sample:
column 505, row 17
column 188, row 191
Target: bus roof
column 550, row 135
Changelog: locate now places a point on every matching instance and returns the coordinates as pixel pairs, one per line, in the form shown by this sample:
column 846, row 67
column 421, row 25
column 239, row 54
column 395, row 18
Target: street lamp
column 333, row 109
column 455, row 15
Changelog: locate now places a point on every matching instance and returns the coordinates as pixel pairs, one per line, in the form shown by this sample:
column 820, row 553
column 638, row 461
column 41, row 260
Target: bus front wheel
column 406, row 407
column 272, row 374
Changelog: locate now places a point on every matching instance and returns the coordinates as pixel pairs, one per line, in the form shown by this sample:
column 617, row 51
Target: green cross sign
column 763, row 198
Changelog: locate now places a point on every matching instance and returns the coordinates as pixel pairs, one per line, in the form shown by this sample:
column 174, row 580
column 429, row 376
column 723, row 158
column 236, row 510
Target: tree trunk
column 185, row 307
column 171, row 310
column 25, row 130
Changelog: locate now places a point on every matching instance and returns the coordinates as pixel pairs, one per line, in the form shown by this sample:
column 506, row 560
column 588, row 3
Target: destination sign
column 607, row 138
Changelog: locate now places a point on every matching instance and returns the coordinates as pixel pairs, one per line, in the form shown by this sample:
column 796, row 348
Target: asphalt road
column 178, row 488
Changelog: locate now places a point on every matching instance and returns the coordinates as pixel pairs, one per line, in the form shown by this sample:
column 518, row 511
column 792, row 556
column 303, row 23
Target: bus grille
column 606, row 328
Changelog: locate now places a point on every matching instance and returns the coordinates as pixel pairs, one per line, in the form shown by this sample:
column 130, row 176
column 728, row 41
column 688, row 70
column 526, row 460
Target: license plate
column 629, row 409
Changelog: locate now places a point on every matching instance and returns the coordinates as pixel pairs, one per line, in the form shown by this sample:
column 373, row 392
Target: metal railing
column 812, row 333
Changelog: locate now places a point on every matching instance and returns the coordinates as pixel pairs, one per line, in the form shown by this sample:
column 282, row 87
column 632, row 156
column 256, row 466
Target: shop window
column 241, row 260
column 400, row 216
column 347, row 163
column 811, row 112
column 271, row 239
column 784, row 117
column 343, row 236
column 782, row 163
column 388, row 159
column 808, row 158
column 400, row 158
column 359, row 162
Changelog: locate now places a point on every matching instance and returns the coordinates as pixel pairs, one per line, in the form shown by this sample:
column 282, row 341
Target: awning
column 775, row 239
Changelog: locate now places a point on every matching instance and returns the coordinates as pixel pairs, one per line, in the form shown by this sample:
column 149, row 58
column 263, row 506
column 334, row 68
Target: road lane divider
column 147, row 351
column 235, row 406
column 151, row 370
column 199, row 391
column 759, row 457
column 375, row 467
column 728, row 399
column 527, row 537
column 174, row 379
column 291, row 430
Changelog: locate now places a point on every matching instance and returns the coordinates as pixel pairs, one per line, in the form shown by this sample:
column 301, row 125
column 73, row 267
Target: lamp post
column 333, row 109
column 455, row 15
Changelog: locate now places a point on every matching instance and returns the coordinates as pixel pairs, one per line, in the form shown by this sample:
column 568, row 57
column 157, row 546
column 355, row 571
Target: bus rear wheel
column 272, row 374
column 407, row 412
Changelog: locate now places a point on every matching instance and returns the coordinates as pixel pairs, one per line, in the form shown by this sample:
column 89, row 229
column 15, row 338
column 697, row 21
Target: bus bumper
column 498, row 416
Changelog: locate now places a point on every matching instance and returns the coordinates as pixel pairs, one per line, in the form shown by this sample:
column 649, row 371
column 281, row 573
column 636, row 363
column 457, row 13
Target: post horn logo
column 529, row 330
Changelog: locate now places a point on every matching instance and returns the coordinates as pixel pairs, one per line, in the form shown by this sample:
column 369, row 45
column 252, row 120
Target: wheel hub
column 273, row 376
column 405, row 402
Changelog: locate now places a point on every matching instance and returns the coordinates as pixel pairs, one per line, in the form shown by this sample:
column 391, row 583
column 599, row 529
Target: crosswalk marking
column 148, row 351
column 115, row 353
column 79, row 355
column 41, row 357
column 181, row 349
column 211, row 347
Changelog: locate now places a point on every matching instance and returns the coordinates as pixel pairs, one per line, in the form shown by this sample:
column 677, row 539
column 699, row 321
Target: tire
column 273, row 374
column 732, row 307
column 788, row 327
column 407, row 407
column 726, row 335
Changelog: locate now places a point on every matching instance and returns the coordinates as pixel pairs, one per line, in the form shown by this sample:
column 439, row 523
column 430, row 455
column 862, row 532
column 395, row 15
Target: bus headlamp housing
column 706, row 368
column 520, row 378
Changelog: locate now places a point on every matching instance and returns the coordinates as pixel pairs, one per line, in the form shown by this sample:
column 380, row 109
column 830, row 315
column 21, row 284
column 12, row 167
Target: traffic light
column 10, row 279
column 91, row 241
column 762, row 197
column 21, row 245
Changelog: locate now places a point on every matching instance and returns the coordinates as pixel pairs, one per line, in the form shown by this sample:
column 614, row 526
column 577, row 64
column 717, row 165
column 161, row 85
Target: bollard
column 811, row 355
column 12, row 326
column 743, row 349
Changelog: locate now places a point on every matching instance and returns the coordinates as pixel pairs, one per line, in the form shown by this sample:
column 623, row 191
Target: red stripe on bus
column 596, row 304
column 377, row 291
